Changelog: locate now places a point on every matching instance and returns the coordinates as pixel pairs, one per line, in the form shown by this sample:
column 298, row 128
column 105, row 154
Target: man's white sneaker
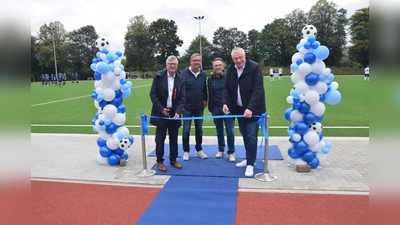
column 219, row 155
column 201, row 154
column 186, row 156
column 232, row 158
column 249, row 171
column 242, row 163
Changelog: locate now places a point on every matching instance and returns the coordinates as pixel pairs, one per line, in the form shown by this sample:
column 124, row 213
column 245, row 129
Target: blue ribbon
column 144, row 124
column 261, row 121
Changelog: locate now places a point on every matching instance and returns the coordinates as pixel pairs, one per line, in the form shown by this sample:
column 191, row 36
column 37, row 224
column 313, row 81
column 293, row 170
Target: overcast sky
column 110, row 18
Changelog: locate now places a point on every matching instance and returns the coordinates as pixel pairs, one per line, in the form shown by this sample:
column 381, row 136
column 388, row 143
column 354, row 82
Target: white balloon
column 109, row 94
column 108, row 78
column 296, row 116
column 99, row 90
column 320, row 87
column 123, row 130
column 96, row 104
column 311, row 97
column 289, row 99
column 302, row 98
column 318, row 66
column 311, row 138
column 304, row 69
column 318, row 109
column 321, row 145
column 112, row 50
column 299, row 161
column 334, row 85
column 117, row 63
column 109, row 111
column 117, row 70
column 296, row 77
column 99, row 84
column 303, row 40
column 296, row 56
column 303, row 51
column 321, row 156
column 302, row 87
column 313, row 148
column 326, row 71
column 102, row 160
column 119, row 119
column 104, row 135
column 111, row 144
column 103, row 56
column 101, row 117
column 296, row 137
column 116, row 85
column 122, row 75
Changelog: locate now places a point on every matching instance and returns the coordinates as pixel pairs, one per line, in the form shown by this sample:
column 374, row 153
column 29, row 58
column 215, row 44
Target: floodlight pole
column 54, row 50
column 199, row 18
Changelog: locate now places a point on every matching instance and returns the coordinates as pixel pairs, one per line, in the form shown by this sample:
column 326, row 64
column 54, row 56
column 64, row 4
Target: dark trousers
column 249, row 130
column 161, row 133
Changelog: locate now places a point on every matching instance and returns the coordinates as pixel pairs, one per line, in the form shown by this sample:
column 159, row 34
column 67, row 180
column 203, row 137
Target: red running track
column 79, row 203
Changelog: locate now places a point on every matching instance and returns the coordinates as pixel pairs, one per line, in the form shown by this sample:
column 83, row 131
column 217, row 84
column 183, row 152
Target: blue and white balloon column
column 313, row 85
column 110, row 90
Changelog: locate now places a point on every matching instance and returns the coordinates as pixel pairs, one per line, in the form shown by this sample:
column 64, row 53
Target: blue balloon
column 314, row 163
column 116, row 101
column 295, row 93
column 93, row 122
column 315, row 45
column 300, row 147
column 101, row 122
column 101, row 143
column 114, row 159
column 322, row 52
column 118, row 93
column 321, row 136
column 311, row 79
column 292, row 153
column 122, row 81
column 325, row 150
column 299, row 61
column 111, row 66
column 296, row 105
column 98, row 54
column 130, row 138
column 319, row 118
column 94, row 95
column 307, row 45
column 121, row 67
column 102, row 104
column 102, row 67
column 105, row 51
column 121, row 108
column 308, row 156
column 118, row 53
column 330, row 77
column 321, row 77
column 112, row 128
column 124, row 155
column 311, row 39
column 120, row 136
column 291, row 140
column 94, row 129
column 118, row 151
column 127, row 93
column 301, row 128
column 97, row 75
column 309, row 118
column 287, row 114
column 298, row 46
column 294, row 66
column 328, row 144
column 104, row 151
column 93, row 66
column 100, row 98
column 304, row 107
column 296, row 99
column 110, row 57
column 333, row 97
column 107, row 121
column 309, row 58
column 322, row 97
column 290, row 133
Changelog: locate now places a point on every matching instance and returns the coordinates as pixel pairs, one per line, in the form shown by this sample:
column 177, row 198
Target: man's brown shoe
column 161, row 167
column 176, row 164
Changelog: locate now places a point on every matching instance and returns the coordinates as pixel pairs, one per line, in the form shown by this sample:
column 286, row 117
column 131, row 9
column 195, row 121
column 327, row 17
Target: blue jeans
column 229, row 127
column 249, row 130
column 198, row 124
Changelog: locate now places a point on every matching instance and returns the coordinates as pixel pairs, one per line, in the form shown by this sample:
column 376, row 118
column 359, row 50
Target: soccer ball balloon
column 124, row 144
column 317, row 127
column 309, row 30
column 102, row 43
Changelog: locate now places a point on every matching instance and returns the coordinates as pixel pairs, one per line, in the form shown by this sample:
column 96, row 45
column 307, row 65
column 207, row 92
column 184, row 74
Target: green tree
column 296, row 20
column 278, row 43
column 35, row 68
column 139, row 45
column 164, row 35
column 194, row 48
column 81, row 49
column 254, row 51
column 224, row 40
column 45, row 51
column 330, row 23
column 359, row 31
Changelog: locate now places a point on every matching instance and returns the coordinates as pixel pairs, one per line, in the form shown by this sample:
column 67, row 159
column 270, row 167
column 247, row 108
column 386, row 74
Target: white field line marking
column 67, row 99
column 136, row 126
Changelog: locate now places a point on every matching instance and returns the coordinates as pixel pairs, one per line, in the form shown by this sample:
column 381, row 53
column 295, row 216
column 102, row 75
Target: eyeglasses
column 172, row 64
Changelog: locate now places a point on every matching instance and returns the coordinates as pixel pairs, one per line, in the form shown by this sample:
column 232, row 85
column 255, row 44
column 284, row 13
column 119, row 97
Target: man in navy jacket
column 243, row 94
column 196, row 101
column 167, row 94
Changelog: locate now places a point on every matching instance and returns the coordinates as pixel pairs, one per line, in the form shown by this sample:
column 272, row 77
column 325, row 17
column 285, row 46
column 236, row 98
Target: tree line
column 147, row 45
